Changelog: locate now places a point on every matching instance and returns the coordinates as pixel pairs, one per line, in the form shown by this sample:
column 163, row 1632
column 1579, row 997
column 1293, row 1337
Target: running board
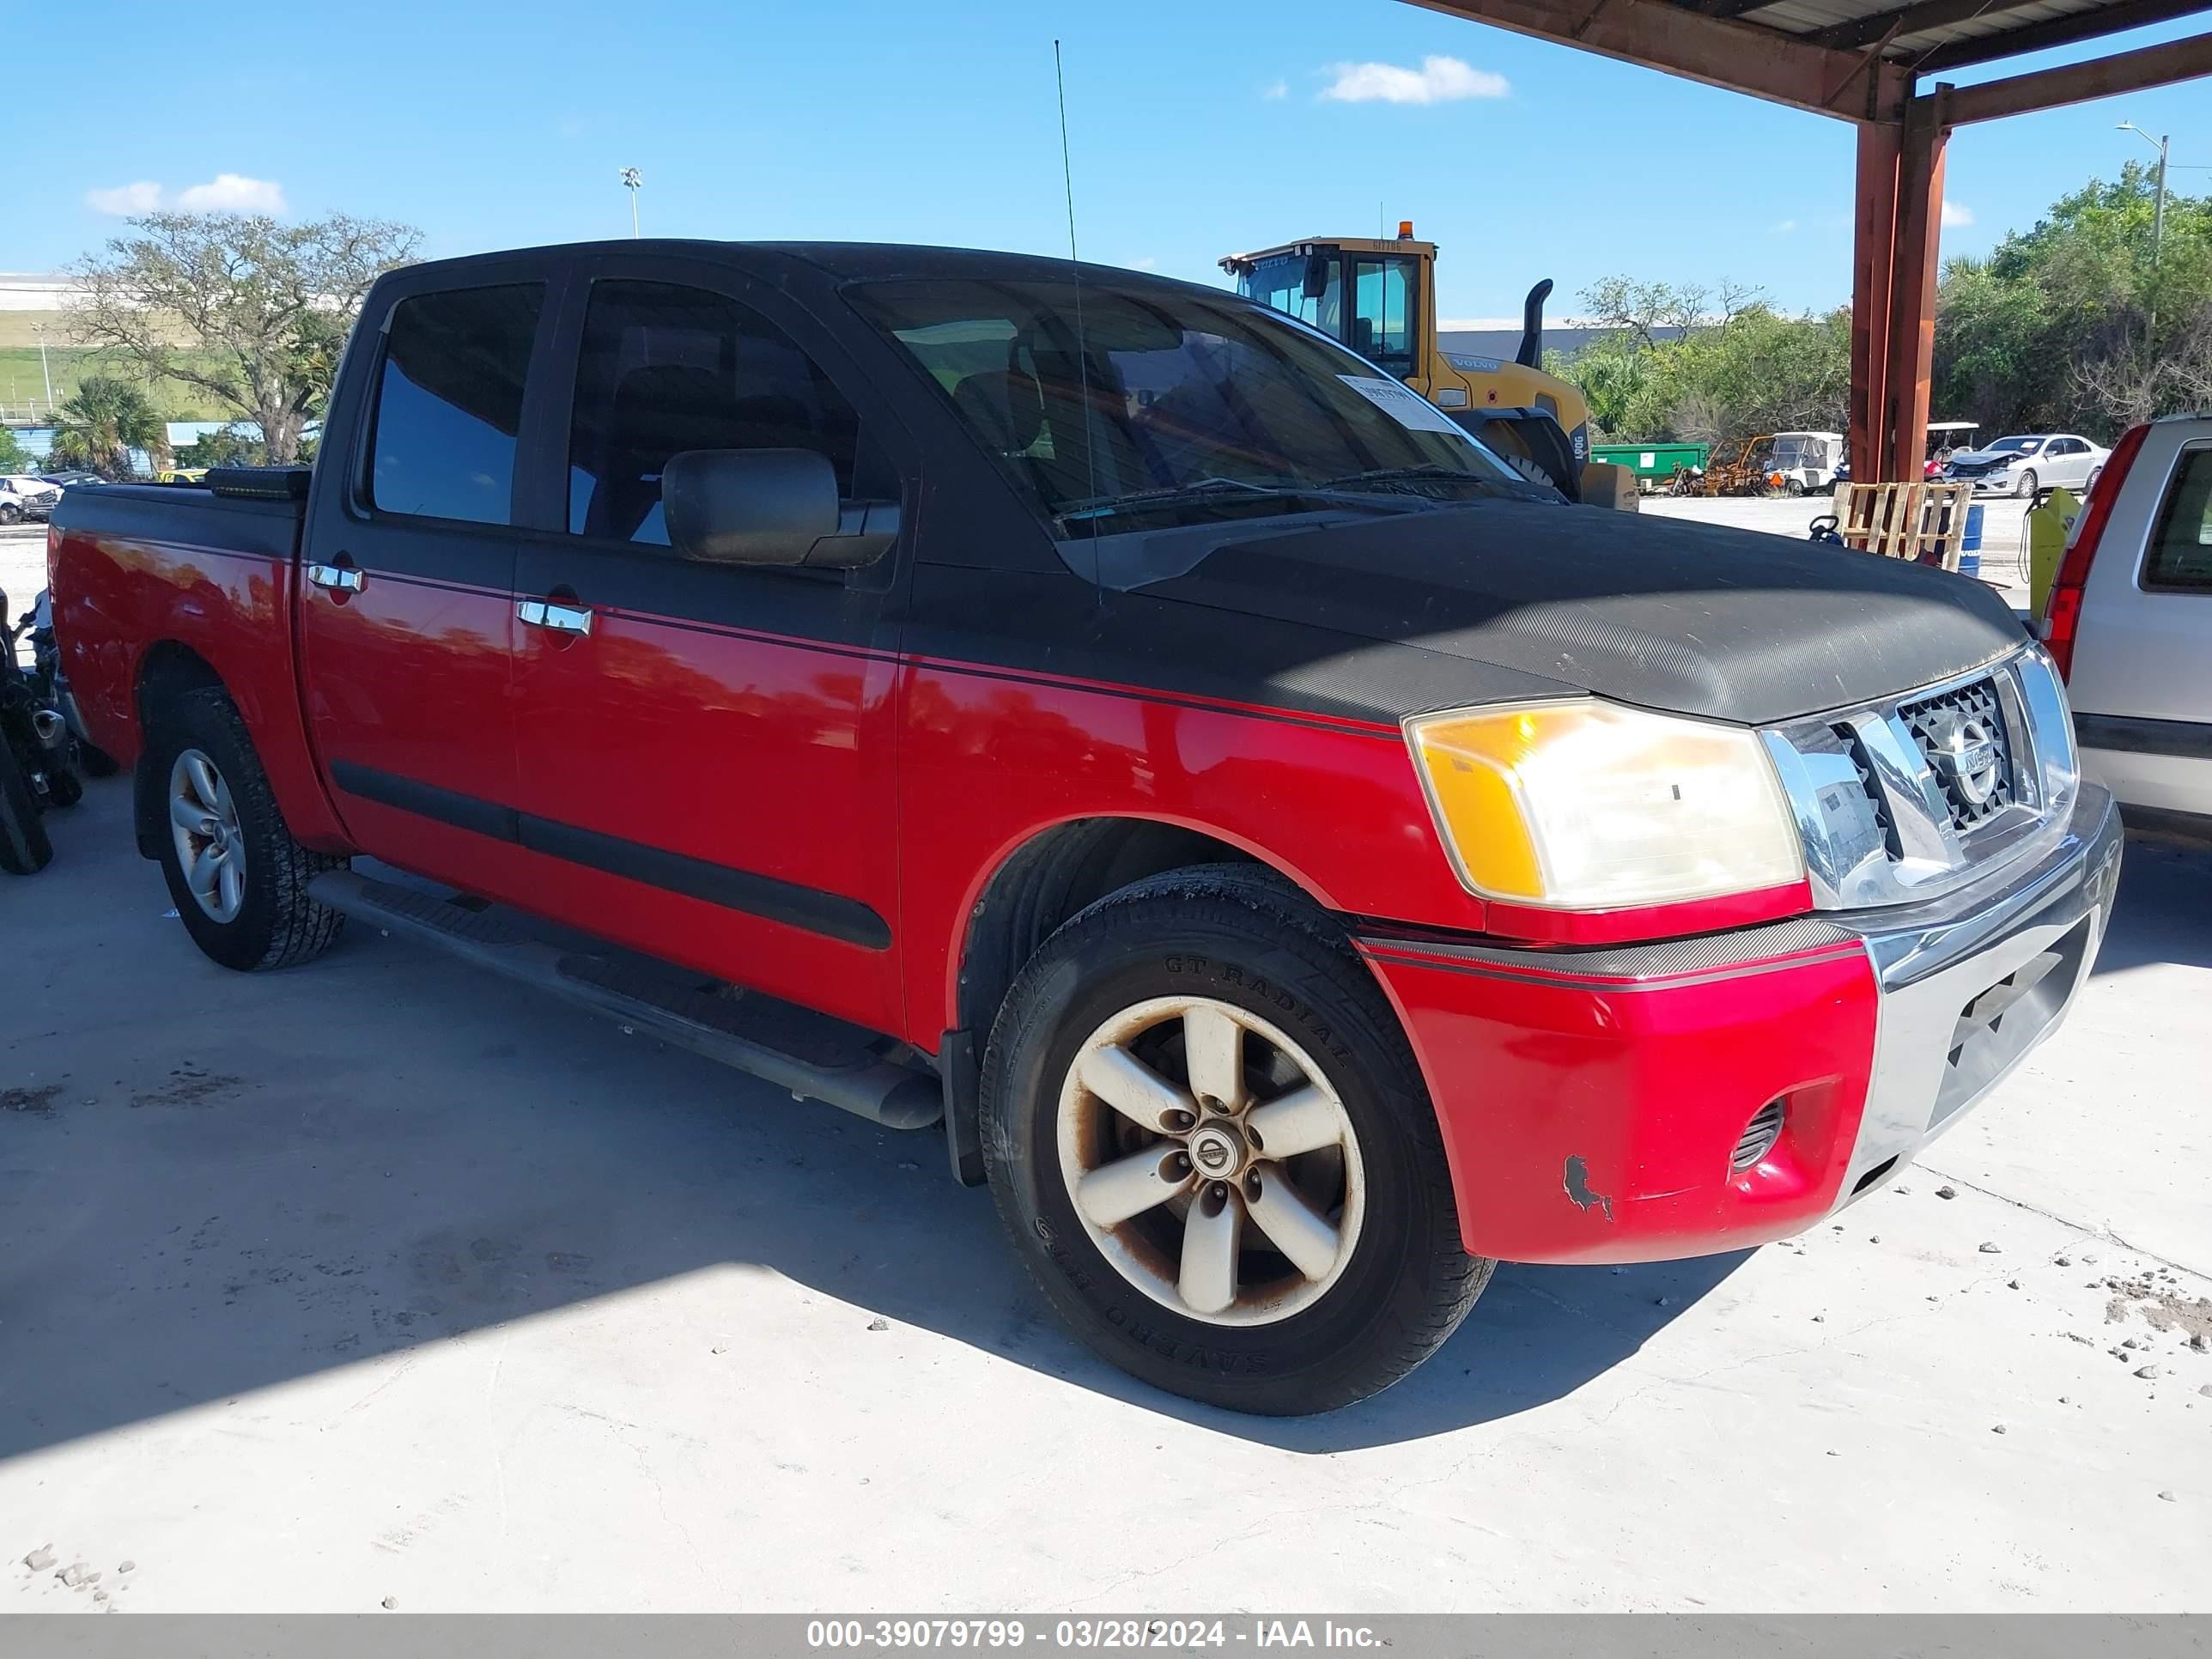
column 813, row 1056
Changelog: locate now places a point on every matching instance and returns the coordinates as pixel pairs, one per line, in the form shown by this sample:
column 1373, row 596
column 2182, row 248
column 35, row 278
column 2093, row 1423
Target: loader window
column 1281, row 282
column 1382, row 313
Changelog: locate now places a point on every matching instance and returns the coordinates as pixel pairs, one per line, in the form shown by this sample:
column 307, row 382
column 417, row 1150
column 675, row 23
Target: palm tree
column 104, row 419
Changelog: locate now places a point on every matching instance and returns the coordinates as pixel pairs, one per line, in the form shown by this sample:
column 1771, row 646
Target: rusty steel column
column 1873, row 259
column 1912, row 285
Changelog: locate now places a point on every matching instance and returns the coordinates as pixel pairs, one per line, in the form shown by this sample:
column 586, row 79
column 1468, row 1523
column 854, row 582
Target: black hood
column 1665, row 613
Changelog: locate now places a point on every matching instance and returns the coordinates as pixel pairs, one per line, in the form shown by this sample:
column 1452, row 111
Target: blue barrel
column 1969, row 543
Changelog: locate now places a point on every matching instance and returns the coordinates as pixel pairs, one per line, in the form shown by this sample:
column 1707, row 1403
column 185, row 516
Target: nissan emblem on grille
column 1966, row 755
column 1963, row 736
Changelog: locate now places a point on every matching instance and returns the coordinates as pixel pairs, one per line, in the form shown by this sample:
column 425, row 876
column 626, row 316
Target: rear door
column 407, row 611
column 705, row 750
column 2142, row 684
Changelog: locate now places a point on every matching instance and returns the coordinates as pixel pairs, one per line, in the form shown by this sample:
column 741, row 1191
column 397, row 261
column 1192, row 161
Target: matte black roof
column 851, row 261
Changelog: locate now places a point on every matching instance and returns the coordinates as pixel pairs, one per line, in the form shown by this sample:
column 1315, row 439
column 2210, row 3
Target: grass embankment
column 21, row 382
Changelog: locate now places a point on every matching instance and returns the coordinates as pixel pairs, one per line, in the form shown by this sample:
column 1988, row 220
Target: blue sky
column 1198, row 130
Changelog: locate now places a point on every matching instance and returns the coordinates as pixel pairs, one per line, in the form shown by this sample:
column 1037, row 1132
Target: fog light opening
column 1759, row 1136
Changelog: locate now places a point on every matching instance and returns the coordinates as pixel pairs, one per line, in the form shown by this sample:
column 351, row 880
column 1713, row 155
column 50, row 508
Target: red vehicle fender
column 122, row 606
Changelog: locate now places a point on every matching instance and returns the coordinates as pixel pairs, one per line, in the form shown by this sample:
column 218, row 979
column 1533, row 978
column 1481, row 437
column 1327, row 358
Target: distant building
column 23, row 291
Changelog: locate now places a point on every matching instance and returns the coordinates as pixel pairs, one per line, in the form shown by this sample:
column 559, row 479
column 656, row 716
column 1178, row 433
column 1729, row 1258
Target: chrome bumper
column 1971, row 982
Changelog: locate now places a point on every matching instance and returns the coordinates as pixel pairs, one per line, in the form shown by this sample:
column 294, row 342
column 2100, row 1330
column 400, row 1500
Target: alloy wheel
column 1210, row 1161
column 210, row 846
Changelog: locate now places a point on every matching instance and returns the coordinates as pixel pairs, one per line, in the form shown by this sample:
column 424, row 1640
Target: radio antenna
column 1082, row 348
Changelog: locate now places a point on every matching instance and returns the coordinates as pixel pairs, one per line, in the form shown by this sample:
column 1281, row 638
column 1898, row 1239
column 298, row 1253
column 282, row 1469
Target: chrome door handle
column 340, row 578
column 551, row 613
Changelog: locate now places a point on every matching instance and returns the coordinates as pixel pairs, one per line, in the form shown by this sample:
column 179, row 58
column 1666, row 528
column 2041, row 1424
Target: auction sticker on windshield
column 1401, row 403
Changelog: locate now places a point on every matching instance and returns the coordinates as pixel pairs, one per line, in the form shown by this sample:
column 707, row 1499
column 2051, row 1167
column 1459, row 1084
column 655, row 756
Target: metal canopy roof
column 1862, row 59
column 1930, row 36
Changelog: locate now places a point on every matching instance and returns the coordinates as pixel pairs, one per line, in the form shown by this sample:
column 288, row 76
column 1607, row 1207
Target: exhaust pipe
column 49, row 728
column 1531, row 355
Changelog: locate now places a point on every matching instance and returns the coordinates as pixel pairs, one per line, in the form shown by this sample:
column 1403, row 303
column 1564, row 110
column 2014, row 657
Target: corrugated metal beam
column 2075, row 83
column 2058, row 32
column 1738, row 56
column 1911, row 20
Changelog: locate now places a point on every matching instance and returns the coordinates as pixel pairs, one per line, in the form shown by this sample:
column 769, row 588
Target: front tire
column 1211, row 1144
column 2024, row 486
column 10, row 513
column 237, row 877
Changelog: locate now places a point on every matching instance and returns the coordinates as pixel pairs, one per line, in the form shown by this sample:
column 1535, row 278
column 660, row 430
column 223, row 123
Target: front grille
column 1952, row 731
column 1863, row 763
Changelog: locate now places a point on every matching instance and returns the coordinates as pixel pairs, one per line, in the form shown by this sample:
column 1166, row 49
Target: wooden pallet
column 1919, row 521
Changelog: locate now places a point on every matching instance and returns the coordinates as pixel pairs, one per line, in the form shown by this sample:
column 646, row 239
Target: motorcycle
column 37, row 751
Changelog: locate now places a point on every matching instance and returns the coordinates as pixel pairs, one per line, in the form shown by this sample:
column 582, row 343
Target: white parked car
column 2023, row 463
column 2129, row 621
column 22, row 497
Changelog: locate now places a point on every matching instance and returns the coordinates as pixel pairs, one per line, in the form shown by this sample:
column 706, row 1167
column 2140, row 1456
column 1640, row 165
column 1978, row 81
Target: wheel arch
column 1036, row 885
column 167, row 668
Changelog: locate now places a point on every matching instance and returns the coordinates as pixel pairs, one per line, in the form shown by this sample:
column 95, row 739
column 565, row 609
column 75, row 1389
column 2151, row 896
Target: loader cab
column 1368, row 295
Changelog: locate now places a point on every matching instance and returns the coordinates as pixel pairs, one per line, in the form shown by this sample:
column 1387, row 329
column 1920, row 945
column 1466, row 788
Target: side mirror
column 1316, row 281
column 770, row 507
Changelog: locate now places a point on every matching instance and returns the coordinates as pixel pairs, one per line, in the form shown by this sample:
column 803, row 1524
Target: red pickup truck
column 1298, row 861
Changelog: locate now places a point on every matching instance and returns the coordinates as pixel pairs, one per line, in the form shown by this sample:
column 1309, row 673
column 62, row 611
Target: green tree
column 222, row 447
column 249, row 310
column 14, row 458
column 1686, row 363
column 2078, row 323
column 104, row 419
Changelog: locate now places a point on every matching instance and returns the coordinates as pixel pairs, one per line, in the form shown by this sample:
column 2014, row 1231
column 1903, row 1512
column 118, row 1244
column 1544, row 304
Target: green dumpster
column 1653, row 464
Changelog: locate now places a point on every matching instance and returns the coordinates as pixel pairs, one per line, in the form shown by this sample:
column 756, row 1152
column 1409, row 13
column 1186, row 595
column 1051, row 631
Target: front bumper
column 1591, row 1101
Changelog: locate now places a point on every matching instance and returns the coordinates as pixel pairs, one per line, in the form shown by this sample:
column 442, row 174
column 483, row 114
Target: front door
column 406, row 605
column 704, row 751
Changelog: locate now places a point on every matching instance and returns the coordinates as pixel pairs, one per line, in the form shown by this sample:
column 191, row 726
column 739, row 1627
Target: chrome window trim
column 1851, row 863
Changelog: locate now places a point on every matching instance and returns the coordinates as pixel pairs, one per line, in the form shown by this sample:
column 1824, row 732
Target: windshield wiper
column 1210, row 489
column 1430, row 472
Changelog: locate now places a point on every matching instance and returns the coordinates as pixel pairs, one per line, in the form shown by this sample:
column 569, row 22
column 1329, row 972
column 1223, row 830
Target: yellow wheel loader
column 1379, row 298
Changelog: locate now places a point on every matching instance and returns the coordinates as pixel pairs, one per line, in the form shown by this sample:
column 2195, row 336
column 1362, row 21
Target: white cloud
column 232, row 192
column 1439, row 81
column 1275, row 90
column 227, row 192
column 1144, row 264
column 124, row 200
column 1954, row 216
column 1784, row 226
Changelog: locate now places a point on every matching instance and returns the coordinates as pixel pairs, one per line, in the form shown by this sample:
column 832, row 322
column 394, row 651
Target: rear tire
column 259, row 916
column 2090, row 482
column 1372, row 1278
column 25, row 849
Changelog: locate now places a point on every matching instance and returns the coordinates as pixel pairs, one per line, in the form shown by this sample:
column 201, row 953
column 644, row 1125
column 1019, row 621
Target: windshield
column 1794, row 449
column 2018, row 445
column 1204, row 406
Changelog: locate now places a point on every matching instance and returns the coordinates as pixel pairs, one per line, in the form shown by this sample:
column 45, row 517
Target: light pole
column 40, row 329
column 2157, row 225
column 633, row 181
column 2158, row 212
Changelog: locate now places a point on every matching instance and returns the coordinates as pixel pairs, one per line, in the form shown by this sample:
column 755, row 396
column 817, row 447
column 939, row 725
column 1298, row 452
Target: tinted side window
column 665, row 369
column 449, row 403
column 2181, row 547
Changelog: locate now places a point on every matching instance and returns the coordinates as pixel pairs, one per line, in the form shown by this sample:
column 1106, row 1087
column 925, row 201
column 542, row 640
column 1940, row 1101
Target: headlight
column 1582, row 805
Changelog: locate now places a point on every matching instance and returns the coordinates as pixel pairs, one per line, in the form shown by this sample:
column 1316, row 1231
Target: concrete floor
column 380, row 1282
